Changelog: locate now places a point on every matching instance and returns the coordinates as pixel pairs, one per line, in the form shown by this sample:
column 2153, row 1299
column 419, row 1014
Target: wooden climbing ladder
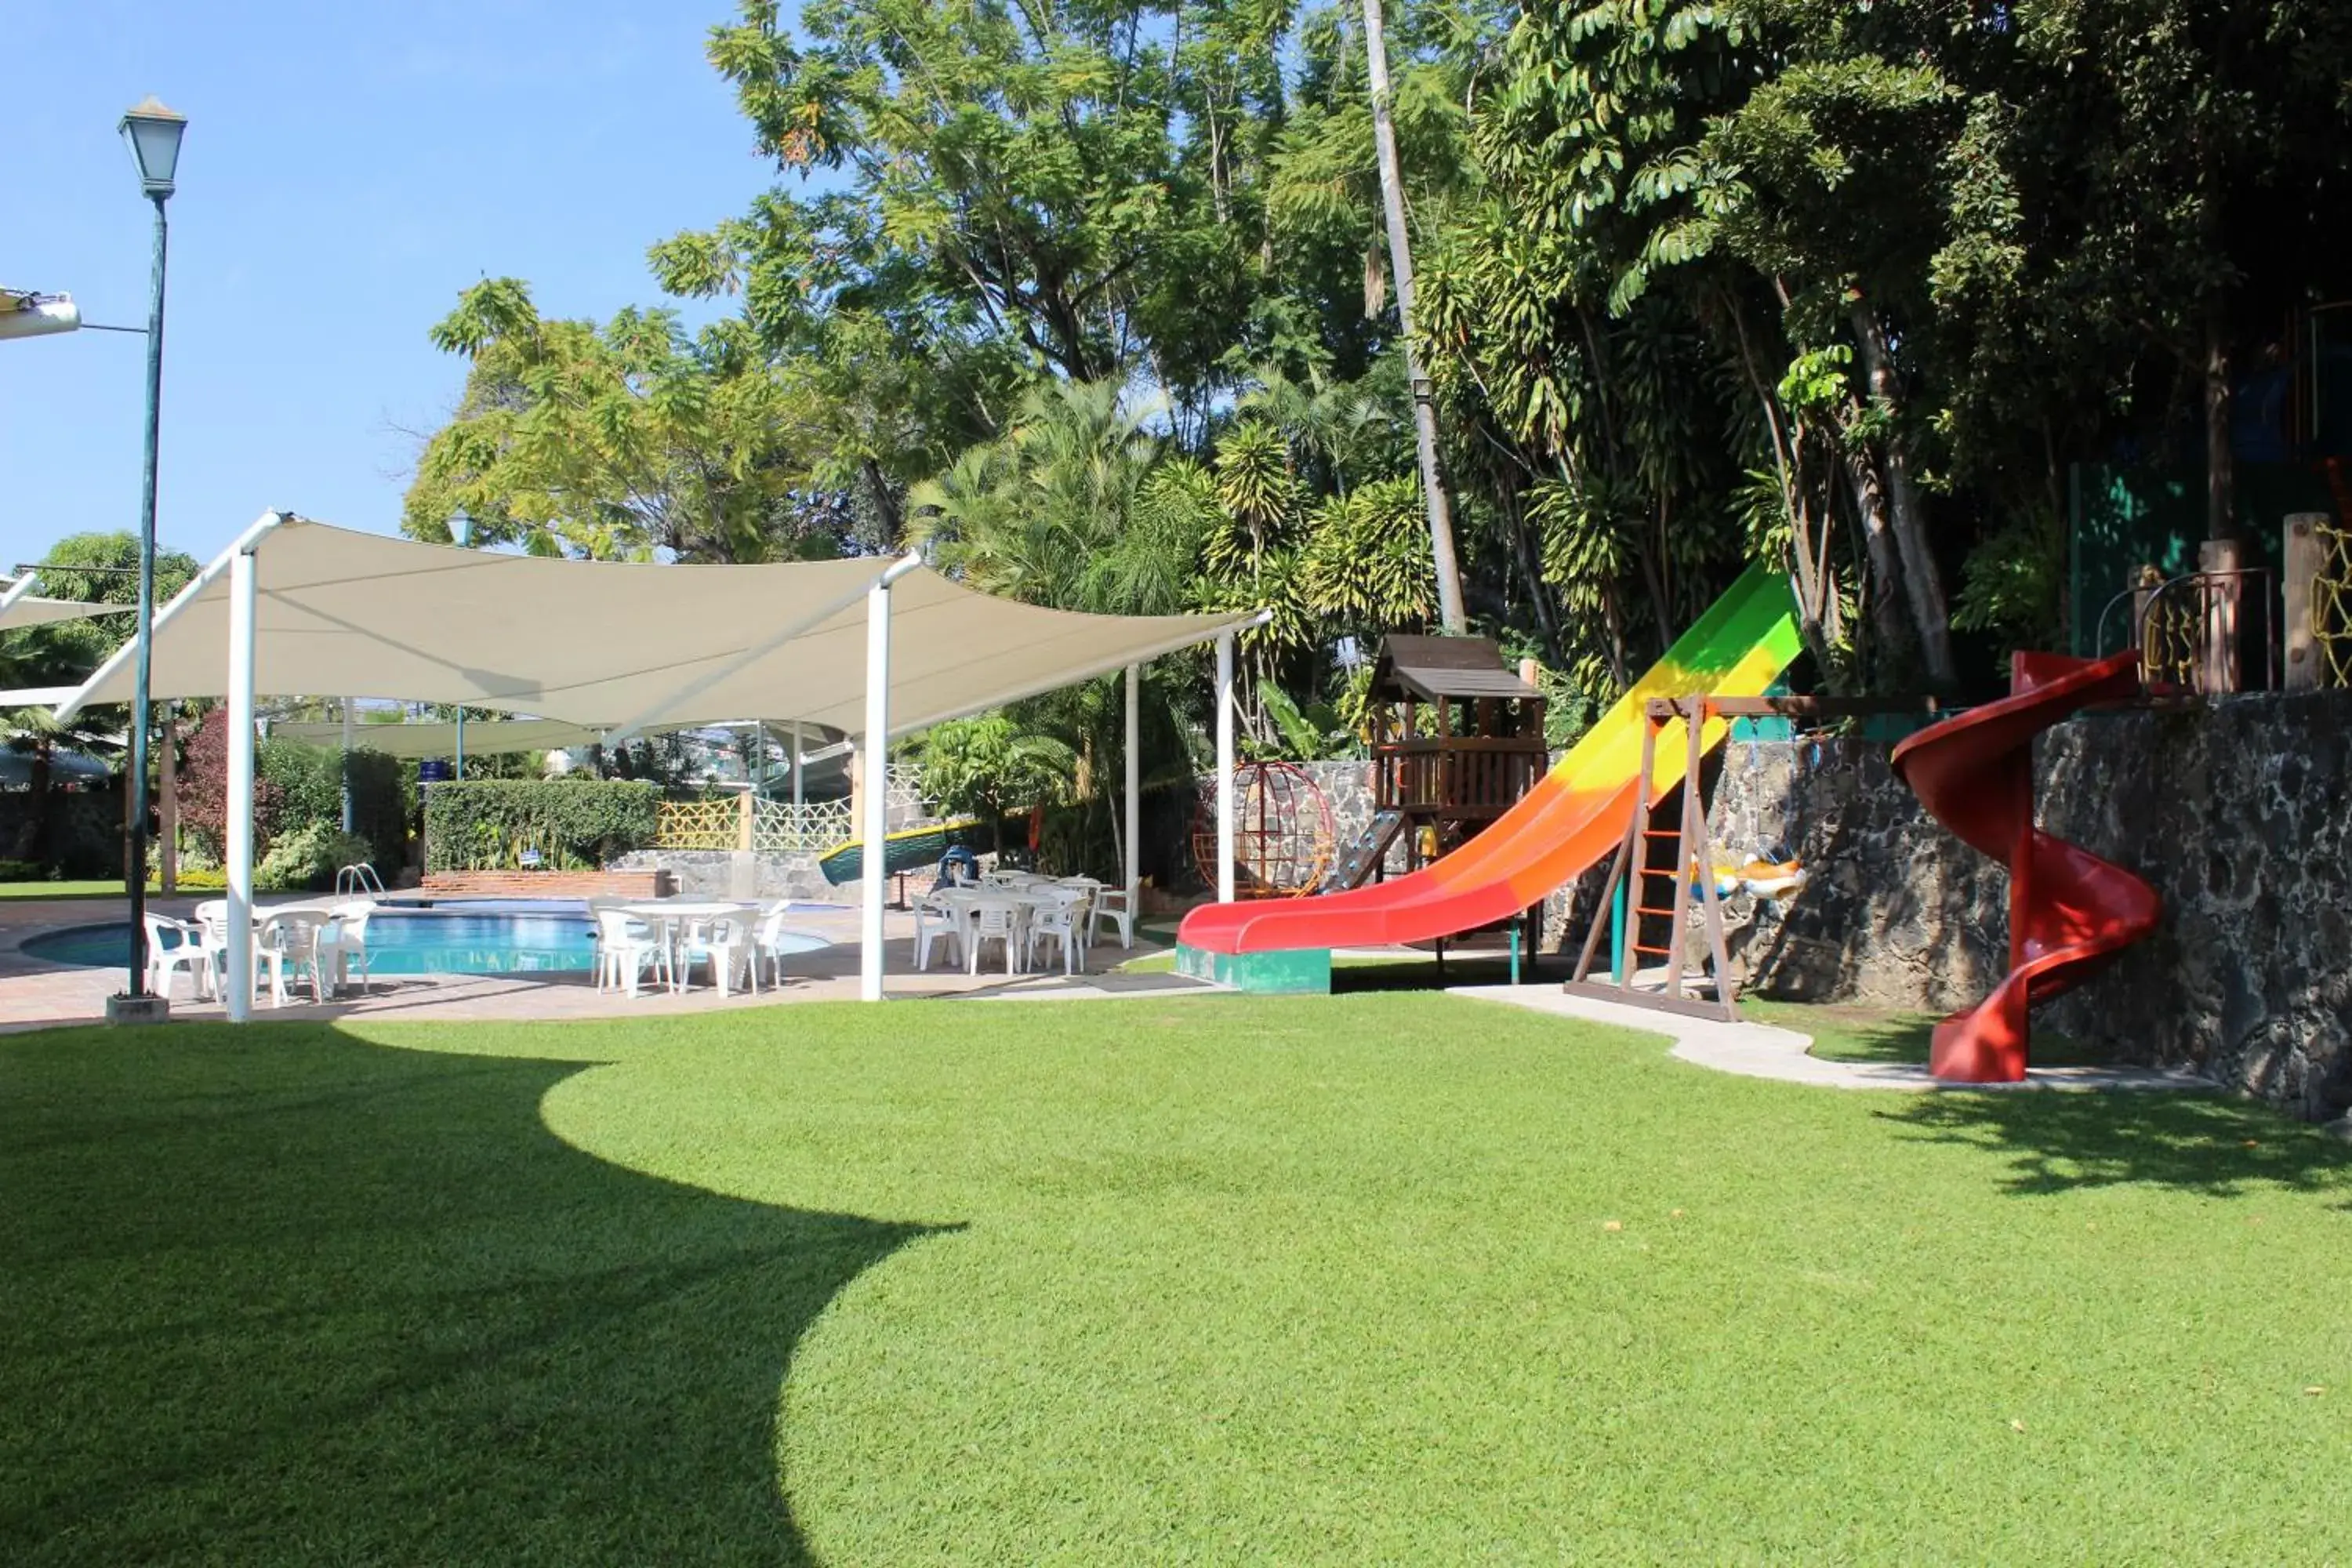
column 1634, row 871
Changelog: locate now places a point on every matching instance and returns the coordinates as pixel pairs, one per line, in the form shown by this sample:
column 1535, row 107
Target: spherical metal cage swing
column 1283, row 840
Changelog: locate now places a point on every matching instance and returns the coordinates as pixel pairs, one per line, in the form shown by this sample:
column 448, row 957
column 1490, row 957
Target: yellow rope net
column 2331, row 606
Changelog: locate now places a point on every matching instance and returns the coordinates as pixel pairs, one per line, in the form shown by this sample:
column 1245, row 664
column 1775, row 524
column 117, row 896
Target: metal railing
column 358, row 879
column 2190, row 633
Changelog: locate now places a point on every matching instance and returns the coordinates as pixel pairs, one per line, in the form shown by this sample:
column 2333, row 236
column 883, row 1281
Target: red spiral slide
column 2068, row 911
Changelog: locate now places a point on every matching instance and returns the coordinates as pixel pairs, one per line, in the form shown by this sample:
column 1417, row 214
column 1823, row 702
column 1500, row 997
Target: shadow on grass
column 1350, row 975
column 1847, row 1032
column 275, row 1295
column 2056, row 1142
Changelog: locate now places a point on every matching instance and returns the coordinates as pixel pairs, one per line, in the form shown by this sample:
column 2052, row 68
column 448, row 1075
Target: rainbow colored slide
column 1576, row 814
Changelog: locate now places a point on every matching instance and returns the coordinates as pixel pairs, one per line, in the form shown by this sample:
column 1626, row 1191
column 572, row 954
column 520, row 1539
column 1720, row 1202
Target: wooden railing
column 1459, row 777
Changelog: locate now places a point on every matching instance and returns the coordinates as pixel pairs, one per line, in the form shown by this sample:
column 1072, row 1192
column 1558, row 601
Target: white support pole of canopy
column 765, row 646
column 1134, row 868
column 874, row 753
column 236, row 977
column 245, row 543
column 19, row 589
column 347, row 766
column 1225, row 766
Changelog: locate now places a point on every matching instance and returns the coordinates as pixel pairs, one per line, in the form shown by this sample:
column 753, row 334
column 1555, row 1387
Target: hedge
column 310, row 780
column 573, row 824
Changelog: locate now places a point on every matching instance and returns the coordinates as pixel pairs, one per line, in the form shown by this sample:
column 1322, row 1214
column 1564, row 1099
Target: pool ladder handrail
column 357, row 879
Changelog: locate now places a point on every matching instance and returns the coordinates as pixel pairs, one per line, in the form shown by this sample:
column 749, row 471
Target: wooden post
column 744, row 819
column 2216, row 642
column 2303, row 554
column 167, row 806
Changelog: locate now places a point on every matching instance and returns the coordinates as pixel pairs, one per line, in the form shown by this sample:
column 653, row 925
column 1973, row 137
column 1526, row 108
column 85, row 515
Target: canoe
column 909, row 849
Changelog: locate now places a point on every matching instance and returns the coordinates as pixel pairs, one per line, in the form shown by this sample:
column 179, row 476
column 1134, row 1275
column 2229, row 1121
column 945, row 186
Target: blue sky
column 347, row 170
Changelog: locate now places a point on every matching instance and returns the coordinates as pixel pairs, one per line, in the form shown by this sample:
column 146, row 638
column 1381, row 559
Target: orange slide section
column 1575, row 815
column 2068, row 911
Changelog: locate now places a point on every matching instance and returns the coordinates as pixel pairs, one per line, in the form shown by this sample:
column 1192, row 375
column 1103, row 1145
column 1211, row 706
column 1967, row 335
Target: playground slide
column 2068, row 911
column 1576, row 814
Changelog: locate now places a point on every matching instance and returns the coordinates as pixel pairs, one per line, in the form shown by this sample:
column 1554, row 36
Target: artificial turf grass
column 98, row 889
column 1169, row 1279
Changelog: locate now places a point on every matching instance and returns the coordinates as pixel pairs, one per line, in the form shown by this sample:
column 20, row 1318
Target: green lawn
column 1400, row 1279
column 99, row 888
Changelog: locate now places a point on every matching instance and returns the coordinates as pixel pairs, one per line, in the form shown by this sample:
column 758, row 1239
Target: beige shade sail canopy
column 614, row 645
column 438, row 738
column 31, row 611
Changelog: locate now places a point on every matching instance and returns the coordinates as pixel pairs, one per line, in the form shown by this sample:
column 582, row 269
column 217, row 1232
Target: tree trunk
column 1923, row 583
column 2220, row 477
column 885, row 505
column 1523, row 547
column 167, row 805
column 1424, row 414
column 1878, row 540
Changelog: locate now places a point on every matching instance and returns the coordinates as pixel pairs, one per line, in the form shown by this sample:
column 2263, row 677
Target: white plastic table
column 966, row 900
column 673, row 917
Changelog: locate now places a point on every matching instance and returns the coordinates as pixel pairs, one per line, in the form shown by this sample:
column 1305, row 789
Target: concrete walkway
column 1762, row 1050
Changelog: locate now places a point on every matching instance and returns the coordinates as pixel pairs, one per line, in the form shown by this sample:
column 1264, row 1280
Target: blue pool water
column 547, row 938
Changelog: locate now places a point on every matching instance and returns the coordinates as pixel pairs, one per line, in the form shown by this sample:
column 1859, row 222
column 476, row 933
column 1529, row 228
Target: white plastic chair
column 936, row 919
column 1057, row 923
column 291, row 937
column 345, row 941
column 726, row 944
column 173, row 946
column 212, row 918
column 1110, row 906
column 766, row 943
column 997, row 920
column 627, row 950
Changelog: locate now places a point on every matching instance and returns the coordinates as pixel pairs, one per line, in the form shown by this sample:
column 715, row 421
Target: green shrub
column 309, row 783
column 23, row 871
column 191, row 879
column 491, row 825
column 306, row 858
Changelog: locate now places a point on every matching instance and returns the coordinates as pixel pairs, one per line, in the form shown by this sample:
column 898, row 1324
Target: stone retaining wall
column 2240, row 813
column 739, row 874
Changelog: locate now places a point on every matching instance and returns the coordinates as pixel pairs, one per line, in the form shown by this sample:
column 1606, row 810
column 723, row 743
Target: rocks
column 2240, row 813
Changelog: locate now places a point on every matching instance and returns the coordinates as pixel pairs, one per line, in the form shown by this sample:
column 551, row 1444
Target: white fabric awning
column 27, row 609
column 606, row 645
column 438, row 738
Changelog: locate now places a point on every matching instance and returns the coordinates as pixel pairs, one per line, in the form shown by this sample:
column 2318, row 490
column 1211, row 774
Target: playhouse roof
column 1427, row 668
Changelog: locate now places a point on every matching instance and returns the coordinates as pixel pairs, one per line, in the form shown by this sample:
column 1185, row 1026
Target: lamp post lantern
column 153, row 133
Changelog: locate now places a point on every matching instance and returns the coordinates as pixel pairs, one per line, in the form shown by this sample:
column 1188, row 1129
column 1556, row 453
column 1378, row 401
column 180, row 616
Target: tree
column 1424, row 415
column 94, row 568
column 622, row 441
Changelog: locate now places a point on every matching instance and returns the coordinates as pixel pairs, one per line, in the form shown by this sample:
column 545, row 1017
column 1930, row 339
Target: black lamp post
column 153, row 133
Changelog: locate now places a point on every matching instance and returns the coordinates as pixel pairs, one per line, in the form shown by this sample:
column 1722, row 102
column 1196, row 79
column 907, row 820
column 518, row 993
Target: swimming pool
column 542, row 937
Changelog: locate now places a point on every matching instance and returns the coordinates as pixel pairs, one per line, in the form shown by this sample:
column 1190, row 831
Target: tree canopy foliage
column 1089, row 300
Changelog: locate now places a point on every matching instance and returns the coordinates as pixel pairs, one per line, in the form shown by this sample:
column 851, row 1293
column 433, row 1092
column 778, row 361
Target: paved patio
column 34, row 993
